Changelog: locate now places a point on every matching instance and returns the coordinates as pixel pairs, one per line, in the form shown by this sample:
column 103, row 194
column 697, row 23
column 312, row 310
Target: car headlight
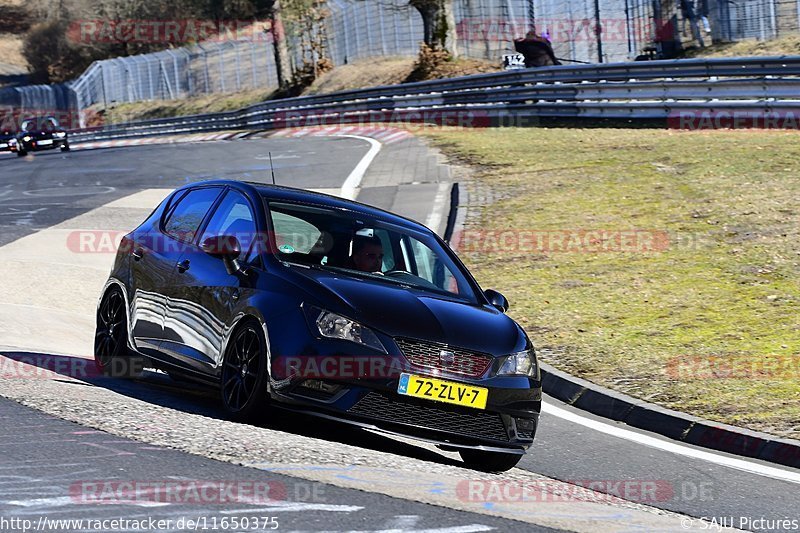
column 60, row 134
column 519, row 364
column 335, row 326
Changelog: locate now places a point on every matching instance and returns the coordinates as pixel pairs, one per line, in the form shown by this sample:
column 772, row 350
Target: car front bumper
column 508, row 423
column 34, row 146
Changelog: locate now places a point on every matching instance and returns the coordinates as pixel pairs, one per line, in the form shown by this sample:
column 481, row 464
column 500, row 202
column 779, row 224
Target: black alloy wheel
column 244, row 373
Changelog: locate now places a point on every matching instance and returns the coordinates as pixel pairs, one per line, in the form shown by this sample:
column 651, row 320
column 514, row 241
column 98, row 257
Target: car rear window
column 184, row 219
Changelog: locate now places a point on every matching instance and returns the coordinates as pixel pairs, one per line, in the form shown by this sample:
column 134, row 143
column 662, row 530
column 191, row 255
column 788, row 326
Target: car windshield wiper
column 378, row 277
column 402, row 282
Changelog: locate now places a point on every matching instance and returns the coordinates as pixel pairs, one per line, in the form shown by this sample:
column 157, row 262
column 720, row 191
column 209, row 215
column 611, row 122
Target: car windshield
column 358, row 246
column 41, row 124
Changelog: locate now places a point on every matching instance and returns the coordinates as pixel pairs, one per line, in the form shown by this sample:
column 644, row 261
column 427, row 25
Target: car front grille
column 479, row 424
column 429, row 355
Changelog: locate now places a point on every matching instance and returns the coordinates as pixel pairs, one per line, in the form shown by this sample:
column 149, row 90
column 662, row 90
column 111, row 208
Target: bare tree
column 280, row 46
column 438, row 23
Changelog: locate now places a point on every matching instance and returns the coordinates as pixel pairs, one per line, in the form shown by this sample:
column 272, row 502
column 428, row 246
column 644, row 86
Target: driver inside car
column 367, row 254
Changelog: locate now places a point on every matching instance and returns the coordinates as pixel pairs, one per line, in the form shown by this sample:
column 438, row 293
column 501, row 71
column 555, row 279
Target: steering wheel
column 390, row 272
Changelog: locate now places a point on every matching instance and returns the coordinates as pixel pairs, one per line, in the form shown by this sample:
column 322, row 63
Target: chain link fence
column 358, row 29
column 580, row 30
column 753, row 19
column 183, row 72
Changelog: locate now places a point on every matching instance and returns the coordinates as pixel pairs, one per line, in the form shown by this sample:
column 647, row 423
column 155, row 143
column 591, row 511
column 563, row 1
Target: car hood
column 399, row 311
column 40, row 134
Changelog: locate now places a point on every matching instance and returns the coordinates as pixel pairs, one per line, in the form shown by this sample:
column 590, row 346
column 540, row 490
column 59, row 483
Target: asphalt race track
column 326, row 477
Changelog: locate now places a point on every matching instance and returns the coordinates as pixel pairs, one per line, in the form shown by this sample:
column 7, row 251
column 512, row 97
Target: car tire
column 244, row 389
column 111, row 355
column 21, row 153
column 494, row 462
column 65, row 147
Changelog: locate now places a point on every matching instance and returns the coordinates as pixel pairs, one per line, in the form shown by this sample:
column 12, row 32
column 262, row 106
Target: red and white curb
column 386, row 135
column 162, row 139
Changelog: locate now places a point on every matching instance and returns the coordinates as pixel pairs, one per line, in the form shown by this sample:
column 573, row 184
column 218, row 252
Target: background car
column 6, row 138
column 40, row 133
column 324, row 306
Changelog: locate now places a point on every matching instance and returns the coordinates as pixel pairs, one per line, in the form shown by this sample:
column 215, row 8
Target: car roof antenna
column 271, row 168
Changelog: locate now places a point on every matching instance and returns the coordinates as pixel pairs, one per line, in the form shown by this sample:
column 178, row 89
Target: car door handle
column 183, row 266
column 137, row 254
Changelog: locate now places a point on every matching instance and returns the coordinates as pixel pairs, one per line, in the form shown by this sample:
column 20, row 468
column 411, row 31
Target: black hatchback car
column 41, row 133
column 322, row 305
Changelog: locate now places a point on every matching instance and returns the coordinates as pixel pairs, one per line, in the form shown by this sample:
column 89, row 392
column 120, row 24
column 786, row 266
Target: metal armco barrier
column 641, row 90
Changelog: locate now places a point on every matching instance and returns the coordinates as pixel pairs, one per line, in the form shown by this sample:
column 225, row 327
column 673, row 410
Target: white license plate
column 45, row 142
column 3, row 145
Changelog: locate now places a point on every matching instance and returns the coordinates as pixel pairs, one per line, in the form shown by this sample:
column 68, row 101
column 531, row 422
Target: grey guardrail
column 638, row 90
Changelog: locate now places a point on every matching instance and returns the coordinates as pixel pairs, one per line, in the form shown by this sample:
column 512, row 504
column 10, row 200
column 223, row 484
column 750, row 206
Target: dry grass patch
column 789, row 45
column 11, row 58
column 711, row 323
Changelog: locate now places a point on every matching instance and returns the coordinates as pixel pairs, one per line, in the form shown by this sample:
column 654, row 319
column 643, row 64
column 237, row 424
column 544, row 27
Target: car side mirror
column 225, row 247
column 496, row 299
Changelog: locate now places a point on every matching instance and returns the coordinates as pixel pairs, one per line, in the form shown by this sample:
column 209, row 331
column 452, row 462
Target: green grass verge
column 710, row 324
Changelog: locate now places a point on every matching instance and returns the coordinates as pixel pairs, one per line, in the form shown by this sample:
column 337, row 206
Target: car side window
column 388, row 250
column 428, row 266
column 293, row 234
column 234, row 217
column 185, row 219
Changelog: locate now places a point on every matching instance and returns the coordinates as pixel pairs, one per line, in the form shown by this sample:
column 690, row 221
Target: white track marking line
column 673, row 447
column 61, row 501
column 297, row 507
column 351, row 184
column 435, row 218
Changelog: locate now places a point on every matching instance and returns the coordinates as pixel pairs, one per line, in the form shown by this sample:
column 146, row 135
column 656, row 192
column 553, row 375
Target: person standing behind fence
column 537, row 50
